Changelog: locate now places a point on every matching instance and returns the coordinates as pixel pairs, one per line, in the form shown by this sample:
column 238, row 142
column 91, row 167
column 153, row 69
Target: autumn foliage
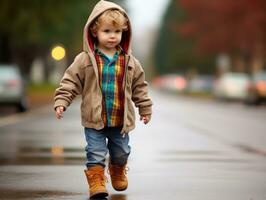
column 219, row 26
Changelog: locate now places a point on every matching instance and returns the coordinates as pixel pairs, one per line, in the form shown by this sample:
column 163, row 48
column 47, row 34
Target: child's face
column 108, row 36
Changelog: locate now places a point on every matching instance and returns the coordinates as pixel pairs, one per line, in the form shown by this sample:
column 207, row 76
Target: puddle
column 56, row 155
column 7, row 193
column 46, row 149
column 251, row 150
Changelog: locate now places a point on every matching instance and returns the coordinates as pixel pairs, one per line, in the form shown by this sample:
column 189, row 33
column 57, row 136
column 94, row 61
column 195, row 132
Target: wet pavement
column 192, row 150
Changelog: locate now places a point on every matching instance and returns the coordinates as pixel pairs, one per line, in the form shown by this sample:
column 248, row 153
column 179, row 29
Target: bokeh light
column 58, row 53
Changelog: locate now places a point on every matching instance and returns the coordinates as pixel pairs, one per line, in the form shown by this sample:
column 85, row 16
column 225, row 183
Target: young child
column 109, row 78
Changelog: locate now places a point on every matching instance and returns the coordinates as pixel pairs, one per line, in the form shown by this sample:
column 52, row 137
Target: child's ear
column 94, row 34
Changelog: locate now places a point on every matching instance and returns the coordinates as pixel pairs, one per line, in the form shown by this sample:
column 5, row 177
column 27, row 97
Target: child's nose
column 112, row 34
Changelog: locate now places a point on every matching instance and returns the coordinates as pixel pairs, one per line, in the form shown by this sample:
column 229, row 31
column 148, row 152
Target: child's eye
column 118, row 31
column 106, row 30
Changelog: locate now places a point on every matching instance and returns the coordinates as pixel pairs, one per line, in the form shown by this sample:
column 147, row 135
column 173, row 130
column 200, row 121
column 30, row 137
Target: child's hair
column 112, row 17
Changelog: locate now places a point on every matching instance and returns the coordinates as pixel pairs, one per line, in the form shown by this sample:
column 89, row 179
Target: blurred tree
column 174, row 54
column 29, row 28
column 234, row 27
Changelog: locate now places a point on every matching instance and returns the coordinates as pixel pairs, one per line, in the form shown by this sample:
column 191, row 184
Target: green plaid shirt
column 111, row 74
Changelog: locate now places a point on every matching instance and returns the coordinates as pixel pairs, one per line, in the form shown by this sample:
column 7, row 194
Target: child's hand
column 145, row 118
column 59, row 112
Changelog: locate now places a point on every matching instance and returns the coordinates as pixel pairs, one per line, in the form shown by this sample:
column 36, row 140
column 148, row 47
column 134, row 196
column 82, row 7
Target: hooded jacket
column 82, row 77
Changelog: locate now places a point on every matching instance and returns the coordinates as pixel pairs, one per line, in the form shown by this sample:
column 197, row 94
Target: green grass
column 40, row 94
column 41, row 88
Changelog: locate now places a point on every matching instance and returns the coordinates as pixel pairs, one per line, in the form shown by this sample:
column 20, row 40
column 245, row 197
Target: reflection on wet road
column 56, row 155
column 34, row 194
column 42, row 194
column 195, row 150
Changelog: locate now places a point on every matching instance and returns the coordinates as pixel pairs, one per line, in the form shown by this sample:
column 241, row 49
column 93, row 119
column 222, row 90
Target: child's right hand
column 59, row 112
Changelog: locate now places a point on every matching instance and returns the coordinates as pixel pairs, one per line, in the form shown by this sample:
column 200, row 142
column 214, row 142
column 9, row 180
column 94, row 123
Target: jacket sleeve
column 71, row 84
column 140, row 91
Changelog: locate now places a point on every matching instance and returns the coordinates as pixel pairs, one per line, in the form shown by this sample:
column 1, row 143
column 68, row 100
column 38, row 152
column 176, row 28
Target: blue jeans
column 99, row 142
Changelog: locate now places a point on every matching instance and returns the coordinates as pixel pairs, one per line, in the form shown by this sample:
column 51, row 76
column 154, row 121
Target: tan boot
column 96, row 180
column 118, row 177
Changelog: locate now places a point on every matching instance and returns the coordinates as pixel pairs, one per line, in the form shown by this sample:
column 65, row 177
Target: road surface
column 191, row 150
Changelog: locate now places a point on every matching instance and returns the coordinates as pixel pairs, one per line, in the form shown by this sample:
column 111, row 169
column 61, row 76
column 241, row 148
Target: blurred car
column 231, row 86
column 171, row 82
column 201, row 83
column 12, row 88
column 257, row 89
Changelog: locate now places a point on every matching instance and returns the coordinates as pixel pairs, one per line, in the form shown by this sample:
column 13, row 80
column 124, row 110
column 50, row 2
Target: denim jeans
column 100, row 142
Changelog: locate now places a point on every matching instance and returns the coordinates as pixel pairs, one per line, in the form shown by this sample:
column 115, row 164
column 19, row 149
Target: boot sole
column 120, row 189
column 99, row 195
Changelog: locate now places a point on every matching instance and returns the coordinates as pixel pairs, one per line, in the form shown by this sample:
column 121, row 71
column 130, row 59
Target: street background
column 204, row 61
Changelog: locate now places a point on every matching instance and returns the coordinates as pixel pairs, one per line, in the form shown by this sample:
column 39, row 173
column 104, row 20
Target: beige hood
column 88, row 39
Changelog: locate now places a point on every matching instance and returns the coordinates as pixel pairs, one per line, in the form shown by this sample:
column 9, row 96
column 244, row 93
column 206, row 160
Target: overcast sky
column 145, row 16
column 145, row 13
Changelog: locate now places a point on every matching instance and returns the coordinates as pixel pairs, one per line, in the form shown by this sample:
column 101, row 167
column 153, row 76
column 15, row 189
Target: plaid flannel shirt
column 111, row 74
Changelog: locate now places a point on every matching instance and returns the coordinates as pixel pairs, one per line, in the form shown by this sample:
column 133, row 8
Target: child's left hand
column 145, row 118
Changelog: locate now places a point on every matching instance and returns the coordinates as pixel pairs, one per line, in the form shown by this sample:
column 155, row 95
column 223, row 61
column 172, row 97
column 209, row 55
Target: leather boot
column 118, row 177
column 96, row 180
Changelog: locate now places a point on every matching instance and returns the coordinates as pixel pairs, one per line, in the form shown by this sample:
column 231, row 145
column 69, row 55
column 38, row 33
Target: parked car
column 231, row 86
column 12, row 88
column 201, row 83
column 257, row 89
column 171, row 82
